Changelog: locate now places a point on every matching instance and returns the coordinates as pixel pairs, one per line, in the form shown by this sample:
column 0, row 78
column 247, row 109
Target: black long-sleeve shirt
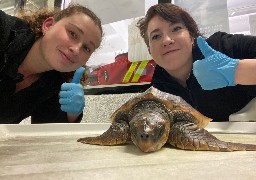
column 41, row 99
column 217, row 104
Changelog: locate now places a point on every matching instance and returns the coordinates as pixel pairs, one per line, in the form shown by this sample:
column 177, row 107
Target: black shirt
column 217, row 104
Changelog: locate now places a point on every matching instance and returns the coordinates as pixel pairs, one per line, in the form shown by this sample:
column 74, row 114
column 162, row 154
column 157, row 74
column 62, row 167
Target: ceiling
column 108, row 10
column 115, row 10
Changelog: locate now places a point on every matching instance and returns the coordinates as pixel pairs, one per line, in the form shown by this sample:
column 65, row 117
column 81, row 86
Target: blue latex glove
column 72, row 94
column 215, row 71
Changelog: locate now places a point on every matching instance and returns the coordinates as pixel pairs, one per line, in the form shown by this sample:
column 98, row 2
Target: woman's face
column 170, row 44
column 69, row 43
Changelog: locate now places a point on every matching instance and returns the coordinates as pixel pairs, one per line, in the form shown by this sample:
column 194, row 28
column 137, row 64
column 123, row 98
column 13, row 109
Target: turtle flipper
column 186, row 135
column 118, row 133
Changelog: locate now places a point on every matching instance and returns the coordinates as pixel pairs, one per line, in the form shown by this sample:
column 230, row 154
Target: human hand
column 72, row 94
column 216, row 70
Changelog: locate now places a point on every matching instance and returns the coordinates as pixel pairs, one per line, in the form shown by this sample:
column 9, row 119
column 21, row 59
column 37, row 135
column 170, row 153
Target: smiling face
column 170, row 45
column 69, row 42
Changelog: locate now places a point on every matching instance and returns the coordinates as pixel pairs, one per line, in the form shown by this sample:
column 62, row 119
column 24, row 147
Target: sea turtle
column 154, row 118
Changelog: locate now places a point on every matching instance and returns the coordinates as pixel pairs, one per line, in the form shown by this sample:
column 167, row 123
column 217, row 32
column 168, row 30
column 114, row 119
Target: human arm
column 72, row 99
column 49, row 111
column 218, row 70
column 4, row 30
column 245, row 72
column 73, row 117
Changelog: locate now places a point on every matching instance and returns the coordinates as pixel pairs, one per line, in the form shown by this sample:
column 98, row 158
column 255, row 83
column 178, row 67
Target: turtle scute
column 155, row 118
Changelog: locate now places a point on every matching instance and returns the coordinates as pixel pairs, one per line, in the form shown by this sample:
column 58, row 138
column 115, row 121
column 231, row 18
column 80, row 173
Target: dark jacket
column 41, row 99
column 220, row 103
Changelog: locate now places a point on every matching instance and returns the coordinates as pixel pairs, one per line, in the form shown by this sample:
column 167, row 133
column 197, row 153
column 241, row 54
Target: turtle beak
column 149, row 141
column 148, row 145
column 149, row 131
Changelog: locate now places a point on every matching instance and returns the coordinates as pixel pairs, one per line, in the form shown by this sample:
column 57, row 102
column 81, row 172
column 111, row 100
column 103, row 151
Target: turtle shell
column 169, row 101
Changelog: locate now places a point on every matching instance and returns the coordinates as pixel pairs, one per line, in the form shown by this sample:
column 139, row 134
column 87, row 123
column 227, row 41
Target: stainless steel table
column 50, row 151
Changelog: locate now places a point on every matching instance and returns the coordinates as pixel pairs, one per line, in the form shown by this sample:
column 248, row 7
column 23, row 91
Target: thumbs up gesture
column 216, row 70
column 72, row 94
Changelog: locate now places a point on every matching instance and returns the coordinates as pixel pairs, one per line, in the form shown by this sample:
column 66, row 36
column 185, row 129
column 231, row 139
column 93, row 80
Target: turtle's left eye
column 161, row 132
column 159, row 125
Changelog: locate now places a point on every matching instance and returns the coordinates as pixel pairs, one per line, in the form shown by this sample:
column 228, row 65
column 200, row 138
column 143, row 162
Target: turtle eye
column 160, row 129
column 161, row 132
column 159, row 125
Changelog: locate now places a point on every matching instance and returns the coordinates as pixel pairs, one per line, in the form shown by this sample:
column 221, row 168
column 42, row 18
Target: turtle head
column 149, row 130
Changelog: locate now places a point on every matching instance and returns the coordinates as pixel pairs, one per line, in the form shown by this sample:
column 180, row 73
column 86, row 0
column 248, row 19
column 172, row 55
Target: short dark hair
column 171, row 13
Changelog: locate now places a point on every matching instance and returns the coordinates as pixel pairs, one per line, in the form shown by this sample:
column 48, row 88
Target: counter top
column 50, row 151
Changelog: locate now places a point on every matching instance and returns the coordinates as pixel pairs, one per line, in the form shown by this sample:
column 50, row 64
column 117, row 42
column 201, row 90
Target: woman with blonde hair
column 41, row 59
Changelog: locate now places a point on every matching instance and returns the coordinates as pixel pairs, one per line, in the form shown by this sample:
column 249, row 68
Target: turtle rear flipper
column 186, row 135
column 118, row 133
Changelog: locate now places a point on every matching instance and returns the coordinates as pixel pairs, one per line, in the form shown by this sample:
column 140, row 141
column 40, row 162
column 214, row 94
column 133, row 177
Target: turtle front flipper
column 118, row 133
column 188, row 136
